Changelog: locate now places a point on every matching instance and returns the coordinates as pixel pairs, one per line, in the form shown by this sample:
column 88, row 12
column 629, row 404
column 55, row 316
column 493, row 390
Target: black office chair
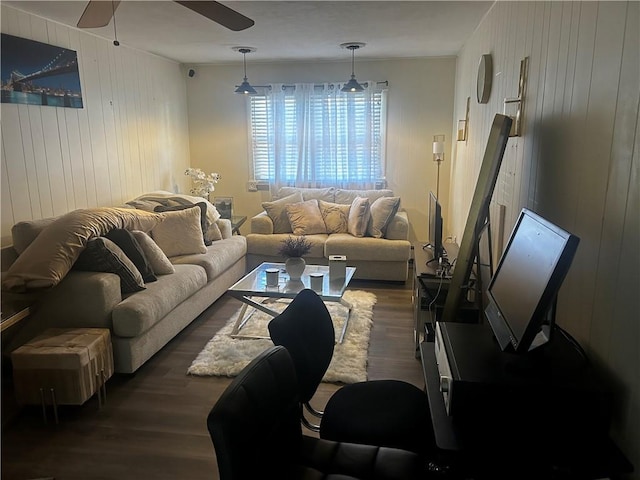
column 256, row 432
column 391, row 413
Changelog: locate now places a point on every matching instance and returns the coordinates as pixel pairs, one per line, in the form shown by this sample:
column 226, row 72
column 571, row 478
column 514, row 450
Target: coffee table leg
column 346, row 322
column 240, row 321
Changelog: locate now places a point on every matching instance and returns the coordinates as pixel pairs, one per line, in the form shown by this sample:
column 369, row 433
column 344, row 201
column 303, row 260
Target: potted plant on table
column 293, row 249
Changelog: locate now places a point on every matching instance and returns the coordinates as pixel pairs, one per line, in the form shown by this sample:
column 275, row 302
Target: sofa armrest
column 224, row 225
column 262, row 223
column 398, row 228
column 80, row 300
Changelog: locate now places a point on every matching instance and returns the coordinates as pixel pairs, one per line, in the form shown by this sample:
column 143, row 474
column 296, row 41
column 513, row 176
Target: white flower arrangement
column 203, row 184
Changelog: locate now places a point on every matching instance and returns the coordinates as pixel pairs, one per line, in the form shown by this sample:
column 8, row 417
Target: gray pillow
column 277, row 211
column 102, row 255
column 159, row 262
column 382, row 211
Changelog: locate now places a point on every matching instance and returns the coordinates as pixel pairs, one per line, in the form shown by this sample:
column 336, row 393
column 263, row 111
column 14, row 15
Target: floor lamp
column 438, row 156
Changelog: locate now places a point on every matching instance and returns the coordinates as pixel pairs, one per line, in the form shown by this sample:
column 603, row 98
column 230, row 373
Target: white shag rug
column 226, row 356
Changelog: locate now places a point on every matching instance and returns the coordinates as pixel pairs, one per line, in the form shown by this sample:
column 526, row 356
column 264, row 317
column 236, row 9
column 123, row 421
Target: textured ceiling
column 284, row 31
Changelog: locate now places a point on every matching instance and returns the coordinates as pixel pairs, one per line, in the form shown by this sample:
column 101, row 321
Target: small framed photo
column 224, row 205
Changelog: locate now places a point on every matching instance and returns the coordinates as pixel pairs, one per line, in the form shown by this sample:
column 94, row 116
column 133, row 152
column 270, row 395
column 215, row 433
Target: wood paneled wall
column 131, row 136
column 575, row 164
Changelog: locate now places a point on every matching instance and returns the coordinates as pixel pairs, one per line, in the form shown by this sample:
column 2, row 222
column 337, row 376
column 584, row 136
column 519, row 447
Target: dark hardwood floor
column 154, row 423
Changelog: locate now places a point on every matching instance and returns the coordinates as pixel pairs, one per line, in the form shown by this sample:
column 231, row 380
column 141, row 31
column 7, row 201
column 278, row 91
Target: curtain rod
column 383, row 82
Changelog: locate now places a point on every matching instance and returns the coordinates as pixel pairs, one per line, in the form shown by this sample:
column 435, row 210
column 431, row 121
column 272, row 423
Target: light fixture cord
column 244, row 63
column 353, row 53
column 115, row 31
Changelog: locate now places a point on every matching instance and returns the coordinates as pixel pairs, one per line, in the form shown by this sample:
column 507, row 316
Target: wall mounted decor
column 463, row 124
column 485, row 78
column 36, row 73
column 514, row 107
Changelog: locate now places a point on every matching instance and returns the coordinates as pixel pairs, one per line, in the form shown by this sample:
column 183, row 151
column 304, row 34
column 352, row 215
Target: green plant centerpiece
column 293, row 249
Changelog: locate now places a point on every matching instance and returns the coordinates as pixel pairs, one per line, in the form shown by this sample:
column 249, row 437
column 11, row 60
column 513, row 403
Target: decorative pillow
column 335, row 216
column 131, row 248
column 203, row 215
column 382, row 211
column 305, row 218
column 180, row 233
column 277, row 211
column 156, row 257
column 213, row 234
column 46, row 261
column 358, row 217
column 102, row 255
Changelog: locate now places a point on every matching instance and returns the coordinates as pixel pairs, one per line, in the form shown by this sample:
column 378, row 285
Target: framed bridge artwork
column 36, row 73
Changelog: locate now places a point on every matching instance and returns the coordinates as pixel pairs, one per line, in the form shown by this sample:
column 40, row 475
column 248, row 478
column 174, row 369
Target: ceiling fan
column 98, row 13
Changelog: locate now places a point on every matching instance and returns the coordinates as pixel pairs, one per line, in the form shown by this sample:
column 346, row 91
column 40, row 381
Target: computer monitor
column 525, row 284
column 435, row 227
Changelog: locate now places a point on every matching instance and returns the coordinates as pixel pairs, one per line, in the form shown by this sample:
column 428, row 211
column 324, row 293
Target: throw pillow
column 305, row 218
column 277, row 211
column 157, row 259
column 180, row 233
column 335, row 216
column 382, row 211
column 358, row 217
column 102, row 255
column 213, row 234
column 178, row 207
column 131, row 248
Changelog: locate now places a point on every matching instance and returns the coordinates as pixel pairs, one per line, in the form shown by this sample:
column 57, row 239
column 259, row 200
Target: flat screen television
column 525, row 285
column 435, row 228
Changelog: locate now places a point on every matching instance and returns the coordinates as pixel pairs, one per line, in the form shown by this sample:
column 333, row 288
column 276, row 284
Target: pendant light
column 352, row 85
column 245, row 88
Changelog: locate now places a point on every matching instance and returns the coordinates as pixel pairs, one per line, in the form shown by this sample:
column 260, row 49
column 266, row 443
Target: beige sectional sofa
column 141, row 323
column 381, row 251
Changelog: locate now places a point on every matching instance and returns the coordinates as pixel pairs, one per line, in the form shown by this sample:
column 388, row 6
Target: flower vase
column 295, row 267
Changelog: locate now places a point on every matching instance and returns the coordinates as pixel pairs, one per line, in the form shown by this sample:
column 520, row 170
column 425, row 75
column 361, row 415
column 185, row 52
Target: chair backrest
column 255, row 424
column 305, row 329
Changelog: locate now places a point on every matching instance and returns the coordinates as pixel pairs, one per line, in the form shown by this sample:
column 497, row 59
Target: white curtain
column 315, row 136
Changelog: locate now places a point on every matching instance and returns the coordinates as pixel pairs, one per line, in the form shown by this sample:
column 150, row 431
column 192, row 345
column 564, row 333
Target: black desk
column 486, row 446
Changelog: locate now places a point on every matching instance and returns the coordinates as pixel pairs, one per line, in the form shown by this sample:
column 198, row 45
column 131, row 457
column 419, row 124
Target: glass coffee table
column 254, row 284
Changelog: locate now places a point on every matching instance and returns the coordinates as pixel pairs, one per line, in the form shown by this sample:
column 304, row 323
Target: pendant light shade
column 245, row 87
column 352, row 85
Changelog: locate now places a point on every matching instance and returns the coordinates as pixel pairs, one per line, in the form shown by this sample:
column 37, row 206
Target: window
column 315, row 135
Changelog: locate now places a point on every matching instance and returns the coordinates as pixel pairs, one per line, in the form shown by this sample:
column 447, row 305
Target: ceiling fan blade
column 97, row 14
column 219, row 13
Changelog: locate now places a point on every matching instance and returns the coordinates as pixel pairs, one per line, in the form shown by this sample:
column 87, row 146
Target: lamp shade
column 246, row 88
column 352, row 86
column 438, row 148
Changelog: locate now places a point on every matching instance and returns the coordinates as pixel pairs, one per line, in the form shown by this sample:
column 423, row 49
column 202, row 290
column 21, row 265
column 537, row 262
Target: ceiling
column 283, row 31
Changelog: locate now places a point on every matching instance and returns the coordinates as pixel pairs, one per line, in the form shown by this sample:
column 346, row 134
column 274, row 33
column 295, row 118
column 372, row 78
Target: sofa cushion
column 324, row 194
column 132, row 249
column 348, row 196
column 180, row 233
column 159, row 262
column 305, row 218
column 203, row 215
column 268, row 245
column 52, row 253
column 103, row 255
column 219, row 257
column 277, row 211
column 335, row 216
column 137, row 313
column 382, row 211
column 359, row 214
column 367, row 248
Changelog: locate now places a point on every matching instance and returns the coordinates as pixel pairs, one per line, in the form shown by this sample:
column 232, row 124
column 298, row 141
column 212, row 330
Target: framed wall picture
column 224, row 205
column 36, row 73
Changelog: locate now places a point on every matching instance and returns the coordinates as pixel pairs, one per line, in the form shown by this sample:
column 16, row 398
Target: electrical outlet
column 252, row 186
